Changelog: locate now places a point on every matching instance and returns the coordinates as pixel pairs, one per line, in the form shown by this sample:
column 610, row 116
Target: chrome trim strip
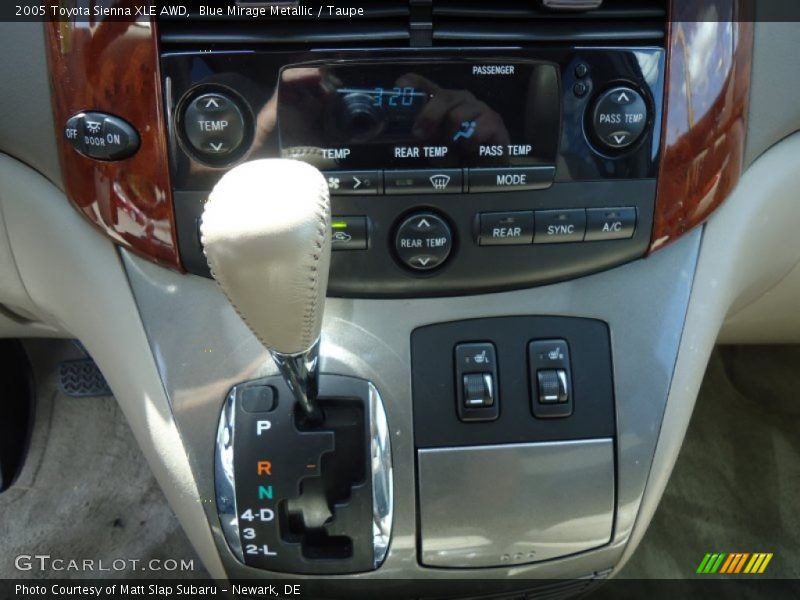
column 382, row 486
column 301, row 373
column 224, row 477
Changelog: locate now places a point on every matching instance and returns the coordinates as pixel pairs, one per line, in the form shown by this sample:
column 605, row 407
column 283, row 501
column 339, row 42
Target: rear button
column 506, row 228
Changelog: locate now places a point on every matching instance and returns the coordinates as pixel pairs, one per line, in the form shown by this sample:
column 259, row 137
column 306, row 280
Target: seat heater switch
column 550, row 376
column 477, row 385
column 553, row 388
column 478, row 390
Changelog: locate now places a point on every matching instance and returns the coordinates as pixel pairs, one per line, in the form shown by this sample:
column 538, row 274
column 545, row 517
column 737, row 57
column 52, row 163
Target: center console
column 450, row 173
column 494, row 395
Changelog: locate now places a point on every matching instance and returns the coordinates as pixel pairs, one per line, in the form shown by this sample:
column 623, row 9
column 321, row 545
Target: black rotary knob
column 619, row 118
column 214, row 126
column 423, row 241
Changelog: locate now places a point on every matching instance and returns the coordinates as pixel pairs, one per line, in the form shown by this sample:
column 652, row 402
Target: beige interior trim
column 76, row 282
column 749, row 245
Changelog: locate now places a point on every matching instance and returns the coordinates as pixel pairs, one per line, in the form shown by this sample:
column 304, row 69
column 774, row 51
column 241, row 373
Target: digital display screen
column 429, row 114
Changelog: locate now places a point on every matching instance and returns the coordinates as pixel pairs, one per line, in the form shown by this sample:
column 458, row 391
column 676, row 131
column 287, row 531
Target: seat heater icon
column 440, row 182
column 481, row 358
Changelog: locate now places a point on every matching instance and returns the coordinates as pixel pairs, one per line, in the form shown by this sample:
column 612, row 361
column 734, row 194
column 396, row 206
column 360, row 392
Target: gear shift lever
column 266, row 235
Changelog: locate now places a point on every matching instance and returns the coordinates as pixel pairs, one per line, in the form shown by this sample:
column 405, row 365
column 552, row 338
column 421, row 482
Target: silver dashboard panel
column 493, row 506
column 202, row 349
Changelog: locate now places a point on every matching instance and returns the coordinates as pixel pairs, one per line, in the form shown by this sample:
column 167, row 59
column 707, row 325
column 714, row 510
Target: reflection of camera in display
column 363, row 115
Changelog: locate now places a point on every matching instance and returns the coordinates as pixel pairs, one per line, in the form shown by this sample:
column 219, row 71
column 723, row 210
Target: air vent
column 383, row 23
column 465, row 22
column 403, row 23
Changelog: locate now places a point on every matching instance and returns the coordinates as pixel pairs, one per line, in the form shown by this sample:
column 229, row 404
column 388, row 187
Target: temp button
column 423, row 241
column 214, row 126
column 619, row 118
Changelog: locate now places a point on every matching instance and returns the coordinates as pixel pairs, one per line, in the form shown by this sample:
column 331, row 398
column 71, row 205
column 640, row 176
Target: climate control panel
column 449, row 172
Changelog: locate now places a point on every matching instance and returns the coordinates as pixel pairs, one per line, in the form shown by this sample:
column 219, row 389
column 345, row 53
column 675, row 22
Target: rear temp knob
column 423, row 241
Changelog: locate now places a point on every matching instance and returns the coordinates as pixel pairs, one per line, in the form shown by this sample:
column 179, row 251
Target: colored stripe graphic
column 737, row 566
column 703, row 563
column 734, row 563
column 767, row 558
column 711, row 563
column 727, row 565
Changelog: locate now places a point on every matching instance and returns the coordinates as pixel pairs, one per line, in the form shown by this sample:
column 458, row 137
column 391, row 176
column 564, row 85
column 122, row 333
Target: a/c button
column 610, row 223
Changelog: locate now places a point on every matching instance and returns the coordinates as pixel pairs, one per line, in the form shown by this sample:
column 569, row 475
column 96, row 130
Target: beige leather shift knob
column 266, row 234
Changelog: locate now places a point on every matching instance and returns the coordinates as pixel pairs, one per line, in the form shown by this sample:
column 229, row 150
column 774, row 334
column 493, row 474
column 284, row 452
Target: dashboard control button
column 553, row 387
column 477, row 396
column 214, row 126
column 580, row 89
column 510, row 179
column 101, row 136
column 581, row 70
column 478, row 390
column 423, row 241
column 349, row 183
column 505, row 228
column 349, row 233
column 559, row 226
column 122, row 140
column 73, row 131
column 550, row 375
column 258, row 399
column 610, row 223
column 424, row 181
column 619, row 118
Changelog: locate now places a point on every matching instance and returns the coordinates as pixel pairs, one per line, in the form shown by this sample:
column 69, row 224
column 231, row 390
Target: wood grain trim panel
column 709, row 59
column 113, row 66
